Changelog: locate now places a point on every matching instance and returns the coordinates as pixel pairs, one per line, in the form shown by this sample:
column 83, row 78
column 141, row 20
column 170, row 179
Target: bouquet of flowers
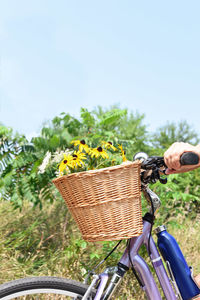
column 85, row 158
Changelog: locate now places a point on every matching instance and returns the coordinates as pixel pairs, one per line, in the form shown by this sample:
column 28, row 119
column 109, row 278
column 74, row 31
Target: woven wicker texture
column 105, row 203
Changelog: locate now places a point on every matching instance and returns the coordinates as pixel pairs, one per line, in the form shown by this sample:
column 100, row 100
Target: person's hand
column 173, row 154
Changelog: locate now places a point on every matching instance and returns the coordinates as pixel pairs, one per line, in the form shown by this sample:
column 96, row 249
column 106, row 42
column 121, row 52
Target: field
column 36, row 242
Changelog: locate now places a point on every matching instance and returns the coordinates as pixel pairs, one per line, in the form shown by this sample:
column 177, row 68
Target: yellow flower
column 77, row 159
column 98, row 152
column 123, row 153
column 65, row 163
column 108, row 145
column 82, row 145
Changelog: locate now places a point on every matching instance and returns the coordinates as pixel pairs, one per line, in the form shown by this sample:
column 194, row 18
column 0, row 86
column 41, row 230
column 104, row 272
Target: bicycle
column 103, row 285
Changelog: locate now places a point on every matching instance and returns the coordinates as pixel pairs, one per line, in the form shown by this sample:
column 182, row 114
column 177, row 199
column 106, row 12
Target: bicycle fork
column 101, row 280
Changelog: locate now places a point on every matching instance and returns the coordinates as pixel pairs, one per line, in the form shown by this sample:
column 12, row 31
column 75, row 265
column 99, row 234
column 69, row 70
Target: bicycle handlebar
column 187, row 158
column 156, row 165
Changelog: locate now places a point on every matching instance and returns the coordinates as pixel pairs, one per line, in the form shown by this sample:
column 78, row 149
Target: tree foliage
column 20, row 160
column 172, row 132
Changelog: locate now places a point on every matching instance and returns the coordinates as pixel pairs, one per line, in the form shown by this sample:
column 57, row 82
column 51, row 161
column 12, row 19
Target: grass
column 47, row 242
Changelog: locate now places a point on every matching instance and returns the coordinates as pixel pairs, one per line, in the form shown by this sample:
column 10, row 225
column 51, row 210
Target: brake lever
column 153, row 177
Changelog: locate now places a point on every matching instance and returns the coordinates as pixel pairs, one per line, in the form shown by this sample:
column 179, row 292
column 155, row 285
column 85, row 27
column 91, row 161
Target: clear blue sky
column 60, row 55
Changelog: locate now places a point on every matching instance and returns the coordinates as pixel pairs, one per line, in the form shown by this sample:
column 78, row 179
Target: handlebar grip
column 189, row 158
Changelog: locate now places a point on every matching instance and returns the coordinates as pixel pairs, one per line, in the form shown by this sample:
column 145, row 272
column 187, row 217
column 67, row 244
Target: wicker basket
column 105, row 203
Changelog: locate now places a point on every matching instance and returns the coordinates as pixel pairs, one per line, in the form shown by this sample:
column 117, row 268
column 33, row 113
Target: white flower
column 45, row 162
column 58, row 155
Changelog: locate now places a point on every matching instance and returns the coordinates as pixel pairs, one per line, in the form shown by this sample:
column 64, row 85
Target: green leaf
column 112, row 117
column 87, row 118
column 54, row 141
